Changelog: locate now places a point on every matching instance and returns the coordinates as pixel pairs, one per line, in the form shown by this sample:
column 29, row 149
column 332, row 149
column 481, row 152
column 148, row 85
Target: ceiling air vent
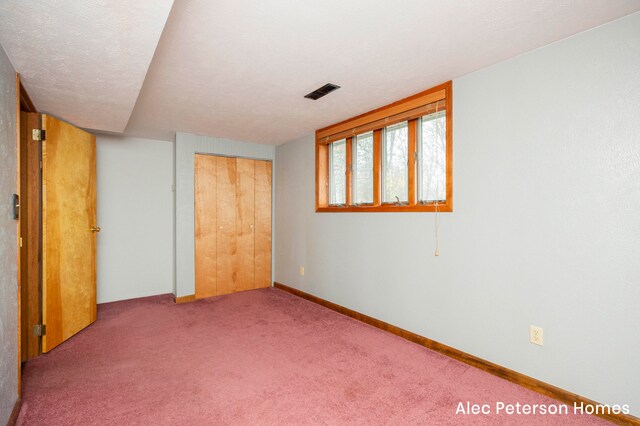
column 324, row 90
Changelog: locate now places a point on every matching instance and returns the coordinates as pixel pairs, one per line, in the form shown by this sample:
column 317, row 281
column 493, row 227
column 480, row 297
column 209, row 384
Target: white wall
column 187, row 145
column 135, row 212
column 545, row 230
column 8, row 238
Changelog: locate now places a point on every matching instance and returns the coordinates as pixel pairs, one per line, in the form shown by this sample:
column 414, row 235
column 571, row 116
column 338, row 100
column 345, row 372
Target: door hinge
column 40, row 330
column 38, row 135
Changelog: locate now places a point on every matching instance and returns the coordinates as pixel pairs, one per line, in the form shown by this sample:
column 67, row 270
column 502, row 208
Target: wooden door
column 262, row 224
column 205, row 225
column 226, row 217
column 232, row 225
column 245, row 193
column 68, row 231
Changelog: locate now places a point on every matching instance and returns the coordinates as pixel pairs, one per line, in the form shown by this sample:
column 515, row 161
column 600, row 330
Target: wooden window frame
column 408, row 109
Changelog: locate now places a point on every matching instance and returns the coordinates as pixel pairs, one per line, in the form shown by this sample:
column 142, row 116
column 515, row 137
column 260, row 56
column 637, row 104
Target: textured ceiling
column 239, row 68
column 83, row 61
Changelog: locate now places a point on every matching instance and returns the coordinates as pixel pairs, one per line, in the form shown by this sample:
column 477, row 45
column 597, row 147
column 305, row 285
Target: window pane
column 394, row 164
column 433, row 158
column 363, row 169
column 338, row 170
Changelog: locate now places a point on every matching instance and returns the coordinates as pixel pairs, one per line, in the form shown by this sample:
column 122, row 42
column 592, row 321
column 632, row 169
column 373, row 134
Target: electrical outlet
column 536, row 335
column 302, row 270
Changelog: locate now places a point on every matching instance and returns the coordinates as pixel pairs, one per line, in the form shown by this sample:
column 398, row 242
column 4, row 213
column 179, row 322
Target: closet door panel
column 262, row 224
column 205, row 226
column 226, row 211
column 245, row 224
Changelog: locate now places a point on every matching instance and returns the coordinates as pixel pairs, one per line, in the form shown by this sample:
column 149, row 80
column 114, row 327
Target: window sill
column 388, row 208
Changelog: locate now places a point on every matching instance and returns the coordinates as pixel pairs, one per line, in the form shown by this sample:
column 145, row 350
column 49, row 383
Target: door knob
column 95, row 229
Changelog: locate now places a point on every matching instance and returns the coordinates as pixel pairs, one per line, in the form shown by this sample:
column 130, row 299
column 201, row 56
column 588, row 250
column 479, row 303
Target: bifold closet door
column 205, row 225
column 245, row 222
column 232, row 225
column 226, row 268
column 263, row 223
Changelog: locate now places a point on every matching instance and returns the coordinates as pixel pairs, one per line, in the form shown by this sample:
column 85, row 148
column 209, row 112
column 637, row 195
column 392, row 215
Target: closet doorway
column 232, row 224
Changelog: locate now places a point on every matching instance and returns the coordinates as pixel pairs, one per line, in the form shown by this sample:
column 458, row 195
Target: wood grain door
column 232, row 225
column 262, row 224
column 205, row 225
column 245, row 192
column 226, row 218
column 68, row 231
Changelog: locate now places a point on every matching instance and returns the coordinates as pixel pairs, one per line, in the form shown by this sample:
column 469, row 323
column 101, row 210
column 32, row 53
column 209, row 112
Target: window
column 432, row 158
column 395, row 168
column 393, row 159
column 338, row 167
column 363, row 169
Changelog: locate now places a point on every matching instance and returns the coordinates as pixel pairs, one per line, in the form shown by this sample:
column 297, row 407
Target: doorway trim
column 19, row 270
column 23, row 103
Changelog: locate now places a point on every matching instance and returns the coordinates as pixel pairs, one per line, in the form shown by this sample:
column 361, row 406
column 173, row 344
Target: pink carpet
column 262, row 357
